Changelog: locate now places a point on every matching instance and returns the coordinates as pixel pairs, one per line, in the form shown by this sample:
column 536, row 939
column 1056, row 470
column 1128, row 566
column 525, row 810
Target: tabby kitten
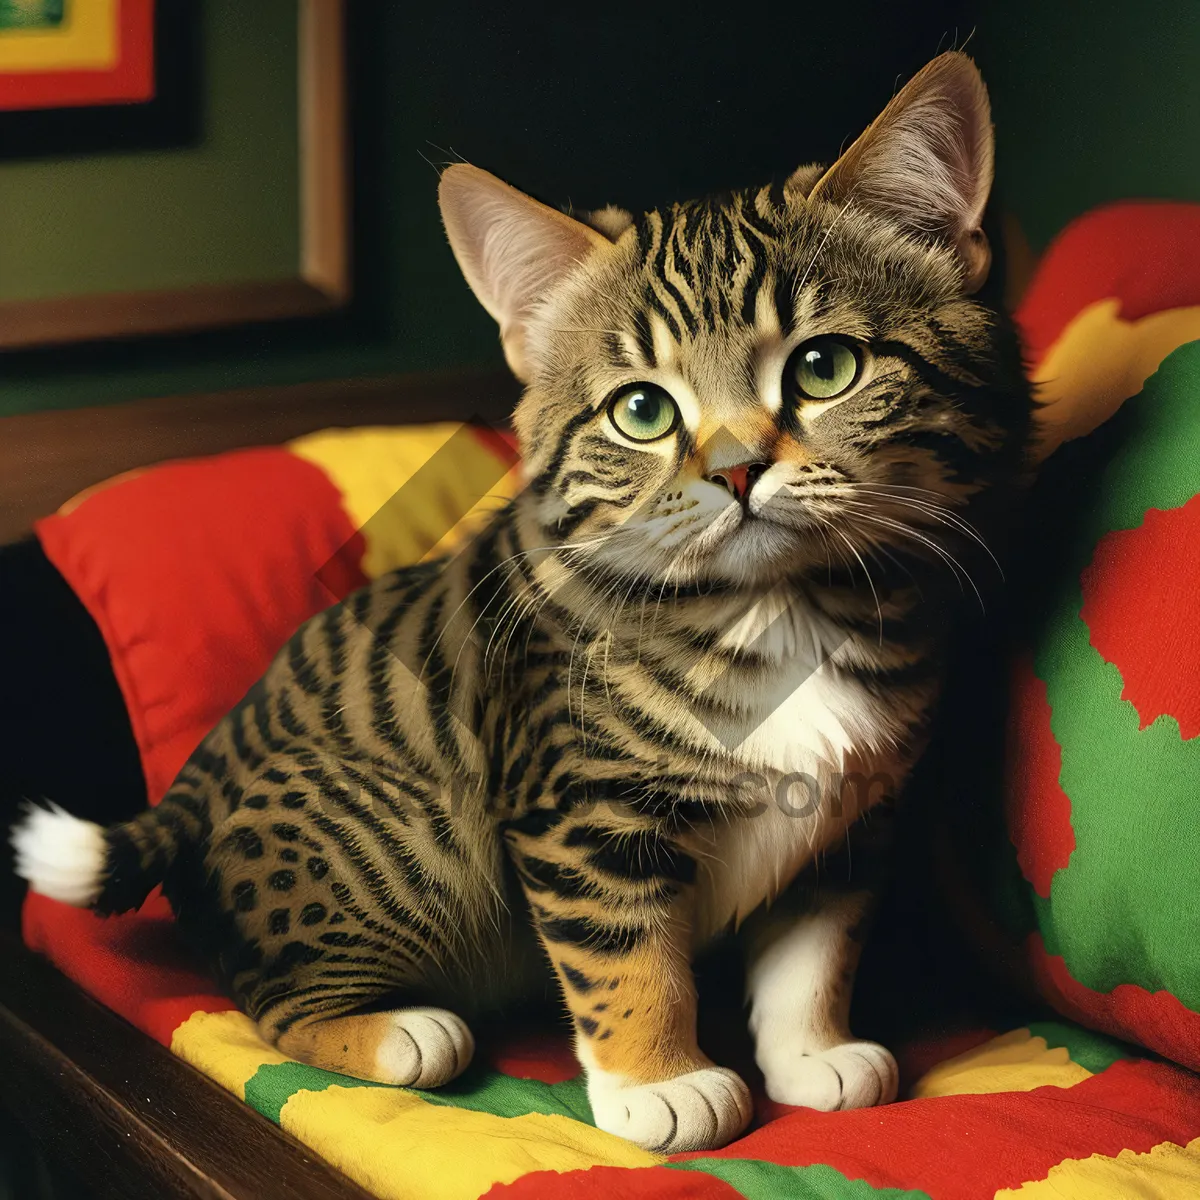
column 668, row 676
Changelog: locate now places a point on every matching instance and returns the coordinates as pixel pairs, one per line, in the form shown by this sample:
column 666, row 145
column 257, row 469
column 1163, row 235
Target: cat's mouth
column 746, row 544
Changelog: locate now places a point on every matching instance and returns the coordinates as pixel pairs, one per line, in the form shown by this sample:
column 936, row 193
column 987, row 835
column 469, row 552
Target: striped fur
column 637, row 707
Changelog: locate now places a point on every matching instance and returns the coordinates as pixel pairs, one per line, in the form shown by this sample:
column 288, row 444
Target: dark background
column 636, row 104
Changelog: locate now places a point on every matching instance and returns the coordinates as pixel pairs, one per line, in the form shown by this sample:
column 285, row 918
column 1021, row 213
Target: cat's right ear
column 925, row 162
column 512, row 250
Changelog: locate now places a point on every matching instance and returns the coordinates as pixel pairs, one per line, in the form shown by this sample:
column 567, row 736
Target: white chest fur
column 753, row 857
column 796, row 706
column 793, row 799
column 805, row 720
column 794, row 736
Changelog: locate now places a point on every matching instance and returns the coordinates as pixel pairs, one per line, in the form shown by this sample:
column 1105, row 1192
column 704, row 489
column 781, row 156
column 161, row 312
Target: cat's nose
column 740, row 479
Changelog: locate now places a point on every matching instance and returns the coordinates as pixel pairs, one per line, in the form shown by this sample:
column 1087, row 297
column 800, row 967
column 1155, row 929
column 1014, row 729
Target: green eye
column 643, row 412
column 823, row 368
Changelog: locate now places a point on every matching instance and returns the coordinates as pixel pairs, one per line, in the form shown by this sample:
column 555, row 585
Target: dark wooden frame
column 98, row 1097
column 323, row 284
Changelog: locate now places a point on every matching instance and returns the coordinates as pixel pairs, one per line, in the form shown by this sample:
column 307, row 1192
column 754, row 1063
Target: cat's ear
column 512, row 250
column 926, row 161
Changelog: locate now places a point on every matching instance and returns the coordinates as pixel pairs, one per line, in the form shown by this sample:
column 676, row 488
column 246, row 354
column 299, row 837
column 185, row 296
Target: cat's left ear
column 926, row 161
column 512, row 250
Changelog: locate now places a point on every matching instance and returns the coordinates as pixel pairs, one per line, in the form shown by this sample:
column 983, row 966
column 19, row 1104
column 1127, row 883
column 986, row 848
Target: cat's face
column 742, row 385
column 734, row 389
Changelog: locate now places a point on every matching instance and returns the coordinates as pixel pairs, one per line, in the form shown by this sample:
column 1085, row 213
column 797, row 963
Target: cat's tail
column 86, row 865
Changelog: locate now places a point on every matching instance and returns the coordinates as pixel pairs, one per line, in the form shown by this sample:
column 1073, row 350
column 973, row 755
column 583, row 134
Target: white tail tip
column 61, row 856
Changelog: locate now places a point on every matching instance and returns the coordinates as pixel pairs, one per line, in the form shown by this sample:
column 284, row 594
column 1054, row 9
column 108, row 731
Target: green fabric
column 759, row 1180
column 273, row 1085
column 504, row 1096
column 1092, row 1051
column 478, row 1089
column 1127, row 907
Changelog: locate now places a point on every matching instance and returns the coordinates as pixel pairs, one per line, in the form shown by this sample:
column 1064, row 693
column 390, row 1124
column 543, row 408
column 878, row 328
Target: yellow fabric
column 86, row 40
column 403, row 1148
column 1098, row 362
column 370, row 466
column 1168, row 1172
column 1013, row 1062
column 393, row 1142
column 226, row 1047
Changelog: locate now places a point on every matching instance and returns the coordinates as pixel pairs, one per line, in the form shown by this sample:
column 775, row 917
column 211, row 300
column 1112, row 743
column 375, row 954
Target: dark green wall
column 1093, row 102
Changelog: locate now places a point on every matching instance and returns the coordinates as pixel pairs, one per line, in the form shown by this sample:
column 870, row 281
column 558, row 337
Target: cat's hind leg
column 345, row 922
column 414, row 1047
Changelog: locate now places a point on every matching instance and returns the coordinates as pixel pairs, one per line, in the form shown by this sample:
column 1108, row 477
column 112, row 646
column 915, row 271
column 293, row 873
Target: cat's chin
column 760, row 554
column 754, row 554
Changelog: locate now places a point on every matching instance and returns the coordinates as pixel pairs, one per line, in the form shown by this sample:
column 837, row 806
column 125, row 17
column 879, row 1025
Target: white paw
column 701, row 1110
column 852, row 1075
column 425, row 1047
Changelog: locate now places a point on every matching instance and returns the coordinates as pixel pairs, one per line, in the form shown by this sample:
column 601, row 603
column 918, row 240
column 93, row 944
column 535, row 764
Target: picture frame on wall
column 216, row 199
column 96, row 76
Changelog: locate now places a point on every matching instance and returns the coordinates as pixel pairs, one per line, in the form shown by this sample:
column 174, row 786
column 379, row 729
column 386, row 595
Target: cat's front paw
column 852, row 1075
column 701, row 1110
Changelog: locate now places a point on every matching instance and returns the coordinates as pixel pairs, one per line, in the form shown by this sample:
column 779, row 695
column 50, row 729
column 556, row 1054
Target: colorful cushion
column 1102, row 799
column 1044, row 1111
column 1115, row 294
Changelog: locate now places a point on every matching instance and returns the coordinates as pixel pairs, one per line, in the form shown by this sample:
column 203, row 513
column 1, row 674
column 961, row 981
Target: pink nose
column 740, row 479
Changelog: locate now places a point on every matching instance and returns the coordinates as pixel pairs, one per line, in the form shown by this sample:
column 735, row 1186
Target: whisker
column 960, row 572
column 940, row 513
column 512, row 558
column 821, row 245
column 935, row 500
column 571, row 548
column 586, row 329
column 870, row 581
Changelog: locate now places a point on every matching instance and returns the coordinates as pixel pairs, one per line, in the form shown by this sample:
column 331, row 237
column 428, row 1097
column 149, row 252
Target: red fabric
column 1144, row 253
column 951, row 1147
column 1154, row 1019
column 1034, row 798
column 617, row 1183
column 134, row 964
column 129, row 81
column 197, row 573
column 1131, row 607
column 541, row 1054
